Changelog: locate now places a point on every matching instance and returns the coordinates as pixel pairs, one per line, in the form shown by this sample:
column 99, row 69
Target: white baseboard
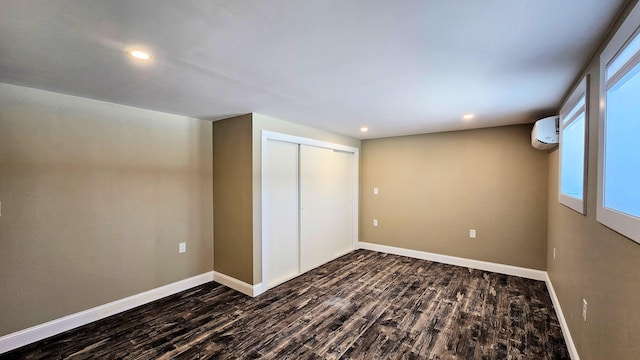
column 453, row 260
column 258, row 289
column 571, row 346
column 238, row 285
column 57, row 326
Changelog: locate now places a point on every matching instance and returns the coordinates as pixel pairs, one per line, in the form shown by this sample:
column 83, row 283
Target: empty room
column 219, row 179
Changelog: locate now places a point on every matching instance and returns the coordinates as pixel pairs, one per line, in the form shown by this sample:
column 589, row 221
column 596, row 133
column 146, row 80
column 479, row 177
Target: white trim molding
column 57, row 326
column 572, row 109
column 272, row 135
column 454, row 260
column 571, row 346
column 627, row 34
column 238, row 285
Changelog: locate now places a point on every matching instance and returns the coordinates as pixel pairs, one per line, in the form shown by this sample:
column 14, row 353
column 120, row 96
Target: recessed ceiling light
column 140, row 55
column 468, row 116
column 364, row 129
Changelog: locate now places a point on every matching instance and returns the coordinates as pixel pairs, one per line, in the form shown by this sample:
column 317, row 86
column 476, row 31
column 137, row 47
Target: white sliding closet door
column 343, row 170
column 326, row 205
column 280, row 212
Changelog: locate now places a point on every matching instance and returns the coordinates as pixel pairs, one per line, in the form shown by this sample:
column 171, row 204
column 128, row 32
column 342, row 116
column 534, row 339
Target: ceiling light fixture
column 364, row 129
column 140, row 55
column 468, row 116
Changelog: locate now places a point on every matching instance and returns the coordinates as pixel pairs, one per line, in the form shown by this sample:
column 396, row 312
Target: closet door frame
column 270, row 135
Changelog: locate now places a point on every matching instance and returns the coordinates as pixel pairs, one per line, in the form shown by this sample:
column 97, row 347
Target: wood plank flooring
column 364, row 305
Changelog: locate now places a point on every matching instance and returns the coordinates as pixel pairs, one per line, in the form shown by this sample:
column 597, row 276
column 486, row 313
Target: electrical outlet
column 375, row 222
column 375, row 191
column 472, row 233
column 584, row 310
column 182, row 247
column 554, row 253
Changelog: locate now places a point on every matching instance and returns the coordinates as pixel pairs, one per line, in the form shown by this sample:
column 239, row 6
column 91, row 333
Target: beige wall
column 594, row 262
column 232, row 198
column 95, row 199
column 433, row 188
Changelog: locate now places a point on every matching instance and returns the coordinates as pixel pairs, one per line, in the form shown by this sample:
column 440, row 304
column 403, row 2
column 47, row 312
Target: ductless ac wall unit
column 545, row 133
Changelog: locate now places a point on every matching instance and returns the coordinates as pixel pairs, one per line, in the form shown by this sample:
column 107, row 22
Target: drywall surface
column 434, row 188
column 95, row 199
column 592, row 261
column 232, row 198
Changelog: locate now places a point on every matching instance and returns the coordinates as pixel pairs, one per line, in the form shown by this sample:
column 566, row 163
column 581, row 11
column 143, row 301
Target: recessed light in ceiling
column 364, row 129
column 140, row 55
column 468, row 116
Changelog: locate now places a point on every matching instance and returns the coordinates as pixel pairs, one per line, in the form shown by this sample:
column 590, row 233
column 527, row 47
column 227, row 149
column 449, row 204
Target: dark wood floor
column 365, row 305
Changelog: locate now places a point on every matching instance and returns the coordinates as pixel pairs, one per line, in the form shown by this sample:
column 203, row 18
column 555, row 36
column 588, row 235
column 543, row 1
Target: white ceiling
column 398, row 67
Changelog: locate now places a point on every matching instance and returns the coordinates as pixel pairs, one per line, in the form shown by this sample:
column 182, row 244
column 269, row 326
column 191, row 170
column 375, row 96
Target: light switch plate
column 182, row 247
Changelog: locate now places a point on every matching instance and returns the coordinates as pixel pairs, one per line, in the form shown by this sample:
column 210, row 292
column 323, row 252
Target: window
column 619, row 148
column 573, row 130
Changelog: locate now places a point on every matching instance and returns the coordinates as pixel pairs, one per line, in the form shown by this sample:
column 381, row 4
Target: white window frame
column 625, row 224
column 568, row 114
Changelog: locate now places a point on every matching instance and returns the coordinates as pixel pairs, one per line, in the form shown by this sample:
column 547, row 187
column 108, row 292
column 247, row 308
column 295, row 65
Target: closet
column 309, row 205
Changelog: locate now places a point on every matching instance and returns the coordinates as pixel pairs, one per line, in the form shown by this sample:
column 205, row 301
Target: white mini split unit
column 544, row 135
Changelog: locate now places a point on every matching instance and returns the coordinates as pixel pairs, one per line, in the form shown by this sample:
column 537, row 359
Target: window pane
column 622, row 146
column 572, row 166
column 575, row 109
column 624, row 57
